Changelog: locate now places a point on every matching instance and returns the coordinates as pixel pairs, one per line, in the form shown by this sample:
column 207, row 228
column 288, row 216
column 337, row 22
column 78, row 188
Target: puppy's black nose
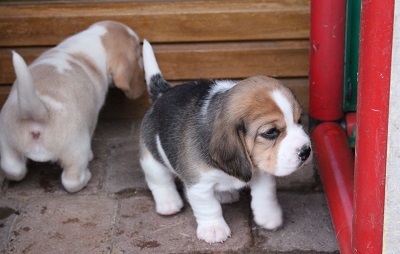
column 305, row 152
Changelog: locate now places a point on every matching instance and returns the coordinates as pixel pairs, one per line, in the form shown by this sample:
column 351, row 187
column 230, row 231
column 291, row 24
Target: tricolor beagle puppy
column 218, row 137
column 52, row 109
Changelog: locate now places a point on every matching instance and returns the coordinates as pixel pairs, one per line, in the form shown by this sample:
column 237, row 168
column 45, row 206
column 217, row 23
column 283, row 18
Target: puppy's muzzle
column 304, row 153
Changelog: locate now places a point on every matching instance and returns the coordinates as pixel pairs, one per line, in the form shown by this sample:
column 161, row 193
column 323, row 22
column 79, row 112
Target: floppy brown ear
column 124, row 61
column 228, row 149
column 128, row 76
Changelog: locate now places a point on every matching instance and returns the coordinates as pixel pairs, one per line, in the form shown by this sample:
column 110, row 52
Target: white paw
column 227, row 197
column 271, row 219
column 169, row 206
column 168, row 202
column 213, row 233
column 13, row 169
column 78, row 183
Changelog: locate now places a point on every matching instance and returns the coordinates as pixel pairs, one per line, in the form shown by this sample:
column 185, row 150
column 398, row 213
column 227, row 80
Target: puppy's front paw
column 227, row 197
column 214, row 233
column 270, row 219
column 75, row 183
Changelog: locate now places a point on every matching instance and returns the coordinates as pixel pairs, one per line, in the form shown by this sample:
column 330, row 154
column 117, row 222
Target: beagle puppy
column 218, row 137
column 52, row 109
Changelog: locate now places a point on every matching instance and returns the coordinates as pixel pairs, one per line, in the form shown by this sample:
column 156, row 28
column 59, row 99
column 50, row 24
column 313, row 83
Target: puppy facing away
column 52, row 109
column 218, row 137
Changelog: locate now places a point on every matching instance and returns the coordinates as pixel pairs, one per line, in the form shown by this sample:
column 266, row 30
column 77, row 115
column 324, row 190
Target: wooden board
column 47, row 23
column 207, row 60
column 135, row 109
column 217, row 39
column 234, row 60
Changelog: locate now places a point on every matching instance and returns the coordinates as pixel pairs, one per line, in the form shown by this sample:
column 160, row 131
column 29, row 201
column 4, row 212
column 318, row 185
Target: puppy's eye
column 271, row 134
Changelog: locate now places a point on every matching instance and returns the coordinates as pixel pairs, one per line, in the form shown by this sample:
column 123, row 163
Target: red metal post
column 334, row 156
column 327, row 59
column 336, row 163
column 372, row 121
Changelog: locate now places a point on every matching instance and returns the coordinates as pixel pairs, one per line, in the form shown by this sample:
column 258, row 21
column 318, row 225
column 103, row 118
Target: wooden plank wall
column 216, row 39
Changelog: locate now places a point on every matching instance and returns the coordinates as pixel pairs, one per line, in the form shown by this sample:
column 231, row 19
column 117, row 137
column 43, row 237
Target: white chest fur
column 220, row 181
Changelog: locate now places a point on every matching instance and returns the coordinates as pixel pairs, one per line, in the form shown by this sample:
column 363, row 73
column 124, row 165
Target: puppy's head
column 259, row 127
column 124, row 61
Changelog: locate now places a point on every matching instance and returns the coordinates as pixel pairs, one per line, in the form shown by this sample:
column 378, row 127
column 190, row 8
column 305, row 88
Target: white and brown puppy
column 218, row 137
column 52, row 109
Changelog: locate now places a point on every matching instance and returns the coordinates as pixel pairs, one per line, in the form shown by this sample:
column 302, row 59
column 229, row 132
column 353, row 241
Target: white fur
column 296, row 138
column 89, row 39
column 219, row 86
column 25, row 90
column 163, row 155
column 61, row 62
column 39, row 153
column 264, row 203
column 161, row 183
column 73, row 185
column 149, row 61
column 75, row 162
column 12, row 164
column 211, row 226
column 204, row 197
column 206, row 205
column 53, row 103
column 285, row 107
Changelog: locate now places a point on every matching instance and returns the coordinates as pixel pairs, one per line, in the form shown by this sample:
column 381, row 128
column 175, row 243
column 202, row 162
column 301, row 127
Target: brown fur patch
column 92, row 68
column 228, row 149
column 125, row 68
column 252, row 105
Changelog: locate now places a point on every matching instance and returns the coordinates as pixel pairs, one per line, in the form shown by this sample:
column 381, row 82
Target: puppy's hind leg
column 13, row 163
column 74, row 162
column 162, row 185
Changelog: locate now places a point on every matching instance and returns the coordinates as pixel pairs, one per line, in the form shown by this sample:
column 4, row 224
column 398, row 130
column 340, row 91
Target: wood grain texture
column 217, row 39
column 7, row 74
column 46, row 23
column 135, row 109
column 233, row 60
column 4, row 91
column 207, row 60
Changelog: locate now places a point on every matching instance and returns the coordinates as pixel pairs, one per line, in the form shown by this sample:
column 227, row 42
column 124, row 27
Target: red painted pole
column 336, row 163
column 327, row 59
column 372, row 121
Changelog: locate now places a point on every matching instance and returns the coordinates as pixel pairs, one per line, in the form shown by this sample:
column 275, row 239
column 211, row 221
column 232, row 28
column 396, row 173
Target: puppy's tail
column 29, row 104
column 156, row 84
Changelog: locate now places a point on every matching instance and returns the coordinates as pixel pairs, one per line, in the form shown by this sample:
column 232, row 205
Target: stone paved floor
column 115, row 213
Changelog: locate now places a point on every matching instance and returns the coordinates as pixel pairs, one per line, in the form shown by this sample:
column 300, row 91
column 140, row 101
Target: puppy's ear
column 128, row 76
column 124, row 60
column 228, row 149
